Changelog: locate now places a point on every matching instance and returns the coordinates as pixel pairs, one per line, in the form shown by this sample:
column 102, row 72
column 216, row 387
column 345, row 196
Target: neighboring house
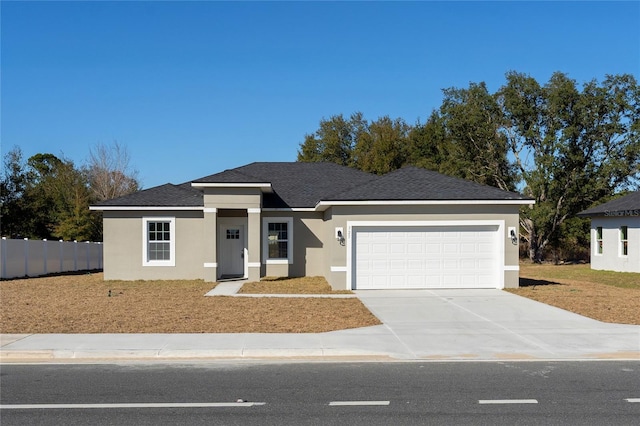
column 615, row 234
column 411, row 228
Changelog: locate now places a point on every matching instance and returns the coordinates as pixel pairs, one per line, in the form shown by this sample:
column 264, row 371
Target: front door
column 232, row 251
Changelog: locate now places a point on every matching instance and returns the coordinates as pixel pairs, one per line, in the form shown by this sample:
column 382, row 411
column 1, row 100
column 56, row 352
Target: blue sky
column 193, row 88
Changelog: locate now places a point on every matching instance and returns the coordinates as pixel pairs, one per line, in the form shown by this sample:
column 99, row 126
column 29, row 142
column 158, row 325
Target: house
column 411, row 228
column 615, row 234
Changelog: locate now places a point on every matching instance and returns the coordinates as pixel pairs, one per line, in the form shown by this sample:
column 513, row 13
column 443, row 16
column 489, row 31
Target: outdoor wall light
column 513, row 236
column 340, row 236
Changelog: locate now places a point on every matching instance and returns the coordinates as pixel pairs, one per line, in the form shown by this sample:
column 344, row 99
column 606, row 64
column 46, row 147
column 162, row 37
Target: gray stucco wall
column 123, row 240
column 308, row 246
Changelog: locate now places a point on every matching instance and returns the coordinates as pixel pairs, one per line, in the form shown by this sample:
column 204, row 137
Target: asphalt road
column 526, row 393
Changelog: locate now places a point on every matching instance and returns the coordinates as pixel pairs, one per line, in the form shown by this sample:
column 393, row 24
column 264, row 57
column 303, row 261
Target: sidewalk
column 420, row 325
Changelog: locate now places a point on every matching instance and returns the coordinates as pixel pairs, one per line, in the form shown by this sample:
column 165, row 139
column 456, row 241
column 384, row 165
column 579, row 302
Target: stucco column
column 254, row 236
column 210, row 237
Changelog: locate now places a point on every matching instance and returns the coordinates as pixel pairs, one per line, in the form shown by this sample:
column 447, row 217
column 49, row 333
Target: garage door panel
column 425, row 257
column 448, row 248
column 416, row 281
column 379, row 248
column 380, row 265
column 468, row 264
column 415, row 248
column 468, row 248
column 398, row 248
column 415, row 264
column 433, row 248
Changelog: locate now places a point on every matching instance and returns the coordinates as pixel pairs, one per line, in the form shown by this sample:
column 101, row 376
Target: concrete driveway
column 494, row 324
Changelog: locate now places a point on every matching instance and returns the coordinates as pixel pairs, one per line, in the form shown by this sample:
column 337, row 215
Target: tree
column 382, row 146
column 476, row 148
column 571, row 147
column 334, row 141
column 109, row 172
column 41, row 196
column 58, row 197
column 46, row 197
column 428, row 145
column 12, row 187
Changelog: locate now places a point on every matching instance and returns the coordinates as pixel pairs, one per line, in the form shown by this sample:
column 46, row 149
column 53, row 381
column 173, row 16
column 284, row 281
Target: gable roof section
column 167, row 195
column 413, row 183
column 230, row 176
column 629, row 205
column 296, row 184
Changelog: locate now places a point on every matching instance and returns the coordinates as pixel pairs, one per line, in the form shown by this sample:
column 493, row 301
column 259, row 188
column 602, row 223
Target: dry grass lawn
column 81, row 304
column 603, row 295
column 302, row 285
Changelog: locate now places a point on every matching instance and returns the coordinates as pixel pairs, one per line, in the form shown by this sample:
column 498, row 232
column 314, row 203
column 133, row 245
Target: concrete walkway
column 418, row 325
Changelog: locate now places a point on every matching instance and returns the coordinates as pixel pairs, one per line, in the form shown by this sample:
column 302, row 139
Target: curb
column 265, row 354
column 188, row 355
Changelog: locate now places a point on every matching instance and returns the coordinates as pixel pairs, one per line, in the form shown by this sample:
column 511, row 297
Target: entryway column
column 253, row 243
column 210, row 238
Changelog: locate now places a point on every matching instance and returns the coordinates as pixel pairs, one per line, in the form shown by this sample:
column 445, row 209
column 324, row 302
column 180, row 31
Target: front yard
column 81, row 304
column 87, row 304
column 603, row 295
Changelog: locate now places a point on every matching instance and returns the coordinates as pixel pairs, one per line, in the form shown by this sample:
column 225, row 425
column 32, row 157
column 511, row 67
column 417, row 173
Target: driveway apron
column 494, row 324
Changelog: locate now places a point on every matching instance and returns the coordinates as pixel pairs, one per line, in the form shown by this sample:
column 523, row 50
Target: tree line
column 567, row 146
column 48, row 197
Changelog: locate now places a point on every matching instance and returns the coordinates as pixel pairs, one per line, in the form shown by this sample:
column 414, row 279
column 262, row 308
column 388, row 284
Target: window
column 624, row 241
column 158, row 241
column 277, row 240
column 233, row 234
column 599, row 240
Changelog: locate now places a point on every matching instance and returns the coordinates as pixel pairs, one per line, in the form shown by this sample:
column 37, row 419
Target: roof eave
column 145, row 208
column 264, row 187
column 323, row 205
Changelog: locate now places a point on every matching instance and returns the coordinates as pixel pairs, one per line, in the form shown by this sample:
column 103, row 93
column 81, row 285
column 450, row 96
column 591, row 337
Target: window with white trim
column 624, row 241
column 277, row 239
column 599, row 248
column 158, row 241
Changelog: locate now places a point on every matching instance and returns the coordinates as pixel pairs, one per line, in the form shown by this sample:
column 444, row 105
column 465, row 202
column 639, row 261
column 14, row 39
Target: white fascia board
column 290, row 209
column 263, row 186
column 323, row 205
column 145, row 208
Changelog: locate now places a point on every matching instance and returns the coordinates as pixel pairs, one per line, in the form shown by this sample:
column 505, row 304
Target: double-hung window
column 599, row 248
column 624, row 241
column 158, row 241
column 277, row 239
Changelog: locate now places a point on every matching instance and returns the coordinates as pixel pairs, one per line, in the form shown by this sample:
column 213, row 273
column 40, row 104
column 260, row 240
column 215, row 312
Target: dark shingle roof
column 167, row 195
column 231, row 176
column 303, row 185
column 413, row 183
column 628, row 202
column 294, row 184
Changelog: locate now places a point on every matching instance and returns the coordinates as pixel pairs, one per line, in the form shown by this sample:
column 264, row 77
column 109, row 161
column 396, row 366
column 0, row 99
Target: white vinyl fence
column 32, row 258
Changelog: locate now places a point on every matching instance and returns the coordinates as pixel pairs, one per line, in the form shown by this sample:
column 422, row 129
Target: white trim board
column 265, row 240
column 232, row 185
column 145, row 208
column 322, row 205
column 172, row 242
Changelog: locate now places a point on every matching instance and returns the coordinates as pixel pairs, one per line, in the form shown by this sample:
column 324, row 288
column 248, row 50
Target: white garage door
column 425, row 257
